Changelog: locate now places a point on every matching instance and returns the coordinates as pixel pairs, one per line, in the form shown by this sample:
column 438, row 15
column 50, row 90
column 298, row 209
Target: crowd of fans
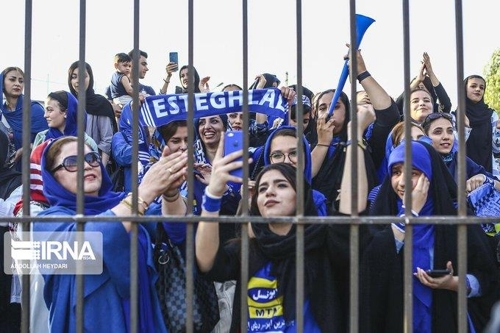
column 162, row 165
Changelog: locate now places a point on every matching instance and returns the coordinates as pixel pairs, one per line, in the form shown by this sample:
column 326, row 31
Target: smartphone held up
column 174, row 57
column 233, row 141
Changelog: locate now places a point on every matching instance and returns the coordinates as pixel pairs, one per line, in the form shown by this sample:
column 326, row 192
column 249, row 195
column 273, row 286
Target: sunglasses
column 70, row 163
column 436, row 115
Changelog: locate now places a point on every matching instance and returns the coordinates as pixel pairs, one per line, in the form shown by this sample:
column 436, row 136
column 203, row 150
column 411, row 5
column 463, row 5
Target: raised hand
column 164, row 176
column 420, row 193
column 221, row 168
column 204, row 87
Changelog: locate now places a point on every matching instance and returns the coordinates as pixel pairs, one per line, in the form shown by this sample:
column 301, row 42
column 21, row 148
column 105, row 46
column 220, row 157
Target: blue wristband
column 210, row 203
column 490, row 181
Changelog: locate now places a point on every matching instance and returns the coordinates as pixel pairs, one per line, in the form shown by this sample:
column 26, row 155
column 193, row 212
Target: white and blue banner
column 162, row 109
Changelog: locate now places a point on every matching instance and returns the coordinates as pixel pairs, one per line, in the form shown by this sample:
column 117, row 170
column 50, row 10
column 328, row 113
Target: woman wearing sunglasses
column 109, row 292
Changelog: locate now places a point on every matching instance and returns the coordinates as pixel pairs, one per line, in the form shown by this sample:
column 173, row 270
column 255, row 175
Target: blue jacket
column 121, row 145
column 103, row 294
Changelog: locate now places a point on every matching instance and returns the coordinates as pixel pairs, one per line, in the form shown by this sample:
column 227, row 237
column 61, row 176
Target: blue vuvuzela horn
column 362, row 24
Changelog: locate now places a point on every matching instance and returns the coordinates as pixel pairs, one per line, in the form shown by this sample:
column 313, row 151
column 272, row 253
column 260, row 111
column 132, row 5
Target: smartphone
column 437, row 272
column 197, row 173
column 233, row 141
column 174, row 57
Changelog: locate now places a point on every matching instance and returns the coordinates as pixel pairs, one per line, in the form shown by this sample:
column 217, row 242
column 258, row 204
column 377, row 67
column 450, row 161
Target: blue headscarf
column 421, row 158
column 57, row 195
column 307, row 152
column 319, row 198
column 71, row 126
column 15, row 118
column 423, row 236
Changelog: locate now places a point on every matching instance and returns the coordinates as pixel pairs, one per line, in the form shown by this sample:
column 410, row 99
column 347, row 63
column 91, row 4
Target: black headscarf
column 281, row 249
column 10, row 179
column 96, row 104
column 430, row 89
column 479, row 146
column 181, row 89
column 329, row 177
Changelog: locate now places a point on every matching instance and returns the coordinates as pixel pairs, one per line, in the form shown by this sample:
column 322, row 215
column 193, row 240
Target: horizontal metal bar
column 259, row 219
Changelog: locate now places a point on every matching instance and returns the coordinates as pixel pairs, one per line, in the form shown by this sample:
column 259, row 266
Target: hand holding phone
column 233, row 141
column 174, row 57
column 437, row 272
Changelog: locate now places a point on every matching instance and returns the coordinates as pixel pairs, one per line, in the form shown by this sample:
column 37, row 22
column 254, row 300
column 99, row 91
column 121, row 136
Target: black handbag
column 171, row 289
column 118, row 179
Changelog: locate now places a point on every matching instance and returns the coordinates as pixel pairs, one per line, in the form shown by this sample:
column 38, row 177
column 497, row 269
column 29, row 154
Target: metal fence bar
column 245, row 242
column 28, row 29
column 408, row 247
column 299, row 114
column 190, row 177
column 354, row 229
column 462, row 204
column 81, row 120
column 445, row 220
column 190, row 227
column 135, row 108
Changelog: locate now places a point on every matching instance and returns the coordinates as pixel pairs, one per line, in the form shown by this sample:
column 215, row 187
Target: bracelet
column 361, row 144
column 144, row 204
column 322, row 145
column 129, row 205
column 211, row 203
column 171, row 198
column 363, row 76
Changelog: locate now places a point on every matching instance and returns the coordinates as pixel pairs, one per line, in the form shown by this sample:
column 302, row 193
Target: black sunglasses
column 436, row 115
column 70, row 163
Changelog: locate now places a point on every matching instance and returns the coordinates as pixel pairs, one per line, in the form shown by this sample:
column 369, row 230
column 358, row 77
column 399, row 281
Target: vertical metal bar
column 25, row 297
column 299, row 300
column 299, row 114
column 354, row 229
column 408, row 247
column 190, row 178
column 81, row 120
column 134, row 242
column 189, row 276
column 462, row 205
column 190, row 228
column 244, row 227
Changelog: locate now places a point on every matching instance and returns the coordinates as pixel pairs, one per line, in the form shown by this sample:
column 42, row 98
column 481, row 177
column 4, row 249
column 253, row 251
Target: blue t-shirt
column 265, row 306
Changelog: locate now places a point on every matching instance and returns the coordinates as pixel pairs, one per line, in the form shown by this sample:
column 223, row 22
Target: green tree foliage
column 492, row 76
